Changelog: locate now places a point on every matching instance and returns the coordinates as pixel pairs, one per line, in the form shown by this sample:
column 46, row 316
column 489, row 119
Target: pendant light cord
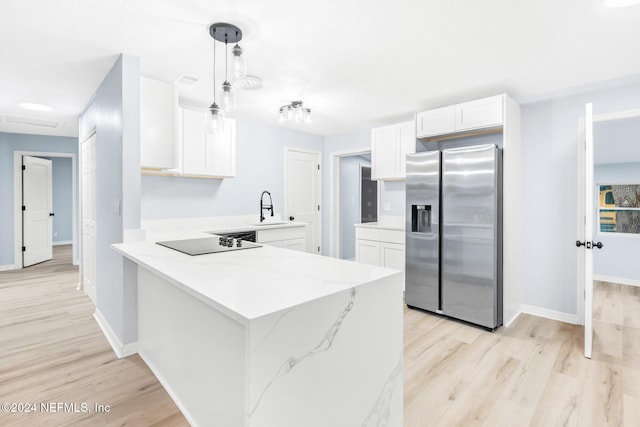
column 214, row 65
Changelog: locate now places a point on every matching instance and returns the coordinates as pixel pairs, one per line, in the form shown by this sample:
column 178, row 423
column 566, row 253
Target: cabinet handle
column 291, row 218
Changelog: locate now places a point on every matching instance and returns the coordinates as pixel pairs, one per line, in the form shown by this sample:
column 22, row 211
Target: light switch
column 117, row 206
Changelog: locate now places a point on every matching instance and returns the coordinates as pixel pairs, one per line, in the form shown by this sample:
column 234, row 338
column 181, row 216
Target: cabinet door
column 195, row 147
column 407, row 145
column 368, row 252
column 223, row 151
column 436, row 122
column 392, row 255
column 384, row 152
column 486, row 112
column 158, row 109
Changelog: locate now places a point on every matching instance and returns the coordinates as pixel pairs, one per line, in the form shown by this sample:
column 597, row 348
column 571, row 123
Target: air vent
column 21, row 120
column 185, row 80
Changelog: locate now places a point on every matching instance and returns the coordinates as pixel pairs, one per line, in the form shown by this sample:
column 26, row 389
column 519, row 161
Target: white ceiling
column 355, row 63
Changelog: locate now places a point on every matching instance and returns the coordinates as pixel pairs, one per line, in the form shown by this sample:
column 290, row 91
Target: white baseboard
column 8, row 267
column 507, row 322
column 550, row 314
column 619, row 280
column 121, row 350
column 63, row 242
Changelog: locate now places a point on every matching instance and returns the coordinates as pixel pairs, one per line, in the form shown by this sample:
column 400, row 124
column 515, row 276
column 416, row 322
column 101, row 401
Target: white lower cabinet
column 380, row 246
column 285, row 237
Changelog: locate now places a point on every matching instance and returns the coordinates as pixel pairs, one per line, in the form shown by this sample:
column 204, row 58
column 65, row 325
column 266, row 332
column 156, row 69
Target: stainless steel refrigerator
column 454, row 233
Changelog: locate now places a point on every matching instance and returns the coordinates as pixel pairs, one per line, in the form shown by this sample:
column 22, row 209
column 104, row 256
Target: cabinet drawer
column 294, row 233
column 392, row 236
column 271, row 235
column 367, row 233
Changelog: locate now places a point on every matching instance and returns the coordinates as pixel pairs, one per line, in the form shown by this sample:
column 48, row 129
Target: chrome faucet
column 263, row 206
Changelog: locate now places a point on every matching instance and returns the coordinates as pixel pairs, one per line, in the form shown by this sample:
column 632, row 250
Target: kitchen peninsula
column 270, row 337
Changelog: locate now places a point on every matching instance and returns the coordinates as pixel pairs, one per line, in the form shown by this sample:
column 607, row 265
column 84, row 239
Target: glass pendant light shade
column 307, row 115
column 238, row 63
column 215, row 120
column 228, row 101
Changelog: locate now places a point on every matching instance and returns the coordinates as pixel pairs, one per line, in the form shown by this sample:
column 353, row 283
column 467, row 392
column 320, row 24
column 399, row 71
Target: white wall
column 259, row 166
column 114, row 113
column 550, row 133
column 619, row 256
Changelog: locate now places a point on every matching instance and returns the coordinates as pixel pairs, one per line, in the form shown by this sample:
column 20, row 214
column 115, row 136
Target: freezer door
column 470, row 202
column 422, row 230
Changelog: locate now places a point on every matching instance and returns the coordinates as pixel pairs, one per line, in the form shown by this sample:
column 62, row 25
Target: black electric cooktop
column 208, row 245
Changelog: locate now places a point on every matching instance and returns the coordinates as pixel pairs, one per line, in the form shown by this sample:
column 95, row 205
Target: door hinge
column 24, row 167
column 24, row 208
column 318, row 166
column 318, row 207
column 24, row 249
column 318, row 248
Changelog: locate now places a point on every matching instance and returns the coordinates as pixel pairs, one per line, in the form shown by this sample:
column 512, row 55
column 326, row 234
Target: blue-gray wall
column 10, row 142
column 62, row 176
column 114, row 114
column 350, row 201
column 260, row 160
column 550, row 134
column 619, row 257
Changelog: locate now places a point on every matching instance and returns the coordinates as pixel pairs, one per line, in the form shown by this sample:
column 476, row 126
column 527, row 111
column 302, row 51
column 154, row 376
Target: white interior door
column 585, row 244
column 89, row 217
column 302, row 193
column 37, row 210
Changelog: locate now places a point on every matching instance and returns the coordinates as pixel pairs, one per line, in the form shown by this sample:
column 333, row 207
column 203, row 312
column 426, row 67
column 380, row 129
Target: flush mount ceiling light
column 35, row 106
column 295, row 112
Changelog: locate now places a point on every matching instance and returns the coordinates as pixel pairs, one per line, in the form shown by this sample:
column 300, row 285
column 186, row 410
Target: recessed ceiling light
column 621, row 3
column 35, row 106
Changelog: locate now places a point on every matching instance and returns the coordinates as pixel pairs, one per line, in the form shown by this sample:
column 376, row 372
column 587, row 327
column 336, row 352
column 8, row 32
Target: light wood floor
column 530, row 374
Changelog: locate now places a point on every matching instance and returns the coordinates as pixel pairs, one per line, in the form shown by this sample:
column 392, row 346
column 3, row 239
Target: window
column 619, row 209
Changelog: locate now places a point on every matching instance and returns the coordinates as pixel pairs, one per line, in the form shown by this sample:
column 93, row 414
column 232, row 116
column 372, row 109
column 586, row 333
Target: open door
column 585, row 242
column 37, row 213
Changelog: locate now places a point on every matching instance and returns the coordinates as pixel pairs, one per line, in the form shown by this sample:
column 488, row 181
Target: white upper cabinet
column 204, row 154
column 158, row 106
column 389, row 148
column 478, row 114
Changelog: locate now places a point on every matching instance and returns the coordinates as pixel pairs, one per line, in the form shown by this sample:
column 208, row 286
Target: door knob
column 589, row 245
column 51, row 214
column 291, row 218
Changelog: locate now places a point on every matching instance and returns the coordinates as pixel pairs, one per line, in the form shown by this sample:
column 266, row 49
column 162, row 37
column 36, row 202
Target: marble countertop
column 251, row 283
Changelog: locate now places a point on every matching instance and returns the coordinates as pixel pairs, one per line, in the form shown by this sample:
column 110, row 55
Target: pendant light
column 215, row 118
column 238, row 63
column 228, row 101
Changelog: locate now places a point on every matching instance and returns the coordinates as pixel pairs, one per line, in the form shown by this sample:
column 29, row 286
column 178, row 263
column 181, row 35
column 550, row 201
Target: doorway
column 347, row 189
column 18, row 202
column 609, row 173
column 358, row 200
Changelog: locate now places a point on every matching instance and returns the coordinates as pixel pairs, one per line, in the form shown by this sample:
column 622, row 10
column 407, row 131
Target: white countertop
column 382, row 225
column 251, row 283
